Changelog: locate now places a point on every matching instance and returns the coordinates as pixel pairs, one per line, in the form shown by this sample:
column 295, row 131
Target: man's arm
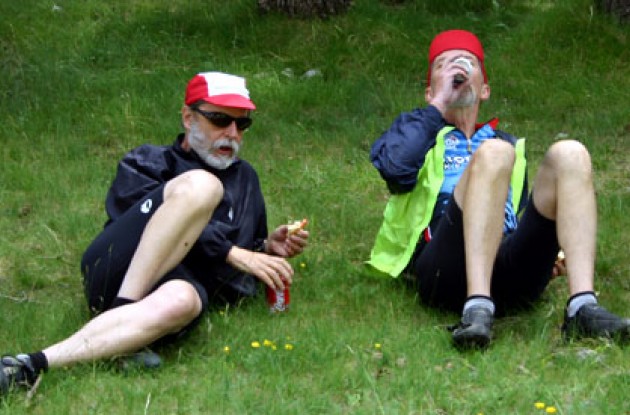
column 272, row 270
column 399, row 153
column 139, row 172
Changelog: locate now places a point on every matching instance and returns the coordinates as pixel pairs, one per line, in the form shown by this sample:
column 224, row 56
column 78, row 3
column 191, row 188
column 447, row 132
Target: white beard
column 204, row 149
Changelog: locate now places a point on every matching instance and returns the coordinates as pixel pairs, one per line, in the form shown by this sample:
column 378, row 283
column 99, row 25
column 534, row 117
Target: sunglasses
column 222, row 120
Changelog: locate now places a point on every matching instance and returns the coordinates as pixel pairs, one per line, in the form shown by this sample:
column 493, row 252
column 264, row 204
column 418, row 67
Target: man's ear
column 485, row 92
column 428, row 94
column 187, row 115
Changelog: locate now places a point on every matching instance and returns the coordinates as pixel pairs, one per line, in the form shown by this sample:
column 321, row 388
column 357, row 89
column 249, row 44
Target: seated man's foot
column 593, row 320
column 145, row 359
column 475, row 328
column 16, row 371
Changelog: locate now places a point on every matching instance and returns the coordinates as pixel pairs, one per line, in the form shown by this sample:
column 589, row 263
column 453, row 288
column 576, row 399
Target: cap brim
column 231, row 100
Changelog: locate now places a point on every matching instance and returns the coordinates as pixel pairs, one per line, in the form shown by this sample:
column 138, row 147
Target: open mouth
column 225, row 151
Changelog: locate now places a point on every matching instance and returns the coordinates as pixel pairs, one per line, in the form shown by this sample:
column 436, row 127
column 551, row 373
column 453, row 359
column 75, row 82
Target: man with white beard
column 460, row 222
column 186, row 227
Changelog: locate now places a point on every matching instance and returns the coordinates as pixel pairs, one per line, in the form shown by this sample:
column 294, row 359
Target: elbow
column 397, row 188
column 399, row 184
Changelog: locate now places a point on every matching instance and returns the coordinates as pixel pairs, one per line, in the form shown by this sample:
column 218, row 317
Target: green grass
column 83, row 84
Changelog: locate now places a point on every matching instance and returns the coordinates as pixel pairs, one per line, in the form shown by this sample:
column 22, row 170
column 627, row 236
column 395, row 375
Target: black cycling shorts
column 522, row 269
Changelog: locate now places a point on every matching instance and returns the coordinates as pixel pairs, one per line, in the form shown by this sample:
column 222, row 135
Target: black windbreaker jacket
column 240, row 219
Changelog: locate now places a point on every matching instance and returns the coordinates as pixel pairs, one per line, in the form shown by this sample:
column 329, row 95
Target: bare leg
column 130, row 327
column 189, row 201
column 563, row 191
column 482, row 193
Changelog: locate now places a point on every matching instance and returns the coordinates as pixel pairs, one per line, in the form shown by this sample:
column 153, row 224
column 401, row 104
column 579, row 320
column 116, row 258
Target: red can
column 278, row 300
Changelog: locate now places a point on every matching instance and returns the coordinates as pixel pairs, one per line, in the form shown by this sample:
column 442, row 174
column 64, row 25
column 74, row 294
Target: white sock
column 484, row 302
column 578, row 301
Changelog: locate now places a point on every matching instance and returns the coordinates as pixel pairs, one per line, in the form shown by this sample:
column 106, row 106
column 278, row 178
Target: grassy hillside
column 84, row 82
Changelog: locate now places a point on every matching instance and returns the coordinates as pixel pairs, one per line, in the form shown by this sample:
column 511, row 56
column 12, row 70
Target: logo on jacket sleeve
column 146, row 206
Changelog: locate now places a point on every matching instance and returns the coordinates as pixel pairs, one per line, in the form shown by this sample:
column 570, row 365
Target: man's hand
column 286, row 244
column 444, row 90
column 272, row 270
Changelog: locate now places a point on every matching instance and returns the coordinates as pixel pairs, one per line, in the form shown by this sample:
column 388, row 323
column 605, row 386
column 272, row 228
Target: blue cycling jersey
column 457, row 155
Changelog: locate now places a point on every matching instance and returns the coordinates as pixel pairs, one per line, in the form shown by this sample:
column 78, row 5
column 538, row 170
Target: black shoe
column 593, row 320
column 16, row 371
column 475, row 328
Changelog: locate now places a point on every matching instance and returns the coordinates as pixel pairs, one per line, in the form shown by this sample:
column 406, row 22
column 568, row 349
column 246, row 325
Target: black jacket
column 240, row 219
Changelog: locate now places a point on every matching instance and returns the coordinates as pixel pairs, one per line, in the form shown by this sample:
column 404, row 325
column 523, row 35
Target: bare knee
column 568, row 156
column 495, row 157
column 175, row 304
column 567, row 165
column 196, row 188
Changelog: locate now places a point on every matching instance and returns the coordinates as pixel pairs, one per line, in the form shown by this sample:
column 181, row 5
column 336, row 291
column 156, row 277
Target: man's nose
column 232, row 129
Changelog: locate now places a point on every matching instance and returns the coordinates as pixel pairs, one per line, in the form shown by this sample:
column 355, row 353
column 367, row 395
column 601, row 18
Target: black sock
column 39, row 362
column 118, row 301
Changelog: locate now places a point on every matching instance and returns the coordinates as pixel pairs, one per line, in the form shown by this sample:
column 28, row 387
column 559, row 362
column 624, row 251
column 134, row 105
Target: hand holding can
column 278, row 300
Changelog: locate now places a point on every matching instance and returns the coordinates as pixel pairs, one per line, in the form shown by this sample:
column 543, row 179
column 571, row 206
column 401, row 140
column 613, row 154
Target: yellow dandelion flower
column 255, row 345
column 551, row 410
column 539, row 405
column 377, row 345
column 288, row 346
column 302, row 265
column 226, row 349
column 267, row 343
column 273, row 347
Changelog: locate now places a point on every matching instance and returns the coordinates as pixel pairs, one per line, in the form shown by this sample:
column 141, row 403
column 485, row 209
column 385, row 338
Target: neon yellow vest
column 407, row 215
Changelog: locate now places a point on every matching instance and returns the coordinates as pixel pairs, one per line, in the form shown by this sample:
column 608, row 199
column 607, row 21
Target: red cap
column 456, row 39
column 219, row 89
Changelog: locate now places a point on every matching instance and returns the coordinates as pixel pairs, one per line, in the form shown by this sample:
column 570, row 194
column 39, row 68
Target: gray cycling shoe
column 475, row 328
column 594, row 321
column 145, row 359
column 16, row 372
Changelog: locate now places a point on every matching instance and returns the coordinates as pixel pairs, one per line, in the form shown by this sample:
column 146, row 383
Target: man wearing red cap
column 460, row 219
column 186, row 227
